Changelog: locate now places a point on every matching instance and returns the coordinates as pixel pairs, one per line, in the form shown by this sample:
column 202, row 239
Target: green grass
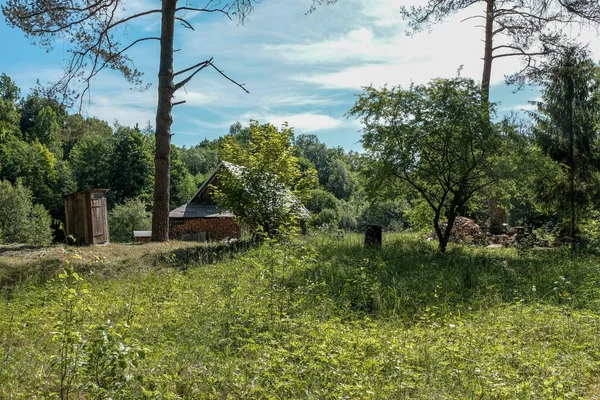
column 320, row 317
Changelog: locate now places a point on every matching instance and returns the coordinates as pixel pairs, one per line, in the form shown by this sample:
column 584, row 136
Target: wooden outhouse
column 87, row 217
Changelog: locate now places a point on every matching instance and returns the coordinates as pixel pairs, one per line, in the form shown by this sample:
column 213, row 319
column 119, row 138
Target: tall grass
column 316, row 317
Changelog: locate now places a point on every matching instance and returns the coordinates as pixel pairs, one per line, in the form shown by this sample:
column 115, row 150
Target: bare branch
column 183, row 71
column 209, row 10
column 185, row 23
column 179, row 103
column 189, row 78
column 240, row 85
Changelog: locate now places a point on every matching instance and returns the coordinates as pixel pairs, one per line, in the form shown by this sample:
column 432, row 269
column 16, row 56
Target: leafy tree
column 567, row 122
column 91, row 162
column 183, row 184
column 340, row 181
column 31, row 162
column 130, row 164
column 257, row 188
column 21, row 221
column 31, row 107
column 9, row 114
column 76, row 128
column 125, row 218
column 315, row 151
column 388, row 214
column 46, row 130
column 435, row 139
column 320, row 200
column 93, row 29
column 200, row 159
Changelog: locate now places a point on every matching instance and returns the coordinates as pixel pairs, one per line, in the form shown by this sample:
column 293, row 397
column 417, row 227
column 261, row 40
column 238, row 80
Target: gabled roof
column 196, row 208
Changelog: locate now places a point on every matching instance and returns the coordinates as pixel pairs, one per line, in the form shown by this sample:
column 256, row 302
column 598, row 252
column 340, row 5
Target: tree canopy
column 434, row 139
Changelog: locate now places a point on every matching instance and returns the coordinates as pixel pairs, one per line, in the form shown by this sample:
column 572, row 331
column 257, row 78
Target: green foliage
column 21, row 221
column 435, row 140
column 340, row 181
column 183, row 185
column 31, row 107
column 9, row 114
column 46, row 129
column 258, row 187
column 315, row 151
column 387, row 214
column 91, row 162
column 567, row 130
column 95, row 359
column 327, row 216
column 131, row 165
column 200, row 159
column 321, row 199
column 125, row 218
column 319, row 316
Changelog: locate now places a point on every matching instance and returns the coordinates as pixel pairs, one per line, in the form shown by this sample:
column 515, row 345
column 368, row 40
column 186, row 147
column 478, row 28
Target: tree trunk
column 569, row 127
column 160, row 212
column 497, row 213
column 443, row 244
column 488, row 53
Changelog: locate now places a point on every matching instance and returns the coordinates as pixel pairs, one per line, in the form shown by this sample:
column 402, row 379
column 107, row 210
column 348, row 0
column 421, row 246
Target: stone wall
column 215, row 228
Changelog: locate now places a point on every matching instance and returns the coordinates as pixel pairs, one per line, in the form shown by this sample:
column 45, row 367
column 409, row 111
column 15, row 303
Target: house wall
column 215, row 228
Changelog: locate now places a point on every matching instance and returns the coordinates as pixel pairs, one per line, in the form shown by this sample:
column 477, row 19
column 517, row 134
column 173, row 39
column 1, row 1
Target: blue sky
column 304, row 69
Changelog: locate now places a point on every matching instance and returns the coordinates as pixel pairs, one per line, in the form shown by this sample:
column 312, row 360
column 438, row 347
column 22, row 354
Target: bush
column 21, row 221
column 125, row 218
column 347, row 221
column 387, row 214
column 325, row 217
column 320, row 200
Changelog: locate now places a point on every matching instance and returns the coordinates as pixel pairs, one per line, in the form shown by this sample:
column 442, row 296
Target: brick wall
column 215, row 228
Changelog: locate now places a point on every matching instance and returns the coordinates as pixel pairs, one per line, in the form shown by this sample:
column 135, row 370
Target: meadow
column 304, row 317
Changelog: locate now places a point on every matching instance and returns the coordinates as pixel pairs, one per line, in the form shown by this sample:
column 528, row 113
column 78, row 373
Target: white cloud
column 303, row 122
column 365, row 56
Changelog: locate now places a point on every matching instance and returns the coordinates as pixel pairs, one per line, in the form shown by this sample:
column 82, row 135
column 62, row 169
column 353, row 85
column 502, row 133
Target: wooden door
column 99, row 220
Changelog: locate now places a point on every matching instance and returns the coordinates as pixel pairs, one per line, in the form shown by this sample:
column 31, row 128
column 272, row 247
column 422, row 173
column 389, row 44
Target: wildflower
column 533, row 289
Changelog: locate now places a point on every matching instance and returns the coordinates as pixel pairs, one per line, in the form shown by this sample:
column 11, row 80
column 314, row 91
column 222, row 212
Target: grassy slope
column 319, row 318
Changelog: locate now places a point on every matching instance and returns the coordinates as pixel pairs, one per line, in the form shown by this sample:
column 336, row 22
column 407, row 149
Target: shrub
column 21, row 221
column 386, row 214
column 347, row 221
column 125, row 218
column 320, row 200
column 325, row 217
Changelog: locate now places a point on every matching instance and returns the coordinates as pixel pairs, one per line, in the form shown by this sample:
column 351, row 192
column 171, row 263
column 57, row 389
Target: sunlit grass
column 323, row 317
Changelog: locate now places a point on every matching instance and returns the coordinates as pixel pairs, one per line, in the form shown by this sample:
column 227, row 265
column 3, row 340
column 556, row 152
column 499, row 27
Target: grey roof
column 196, row 210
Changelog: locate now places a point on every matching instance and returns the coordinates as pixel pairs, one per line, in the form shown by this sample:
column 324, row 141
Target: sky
column 306, row 69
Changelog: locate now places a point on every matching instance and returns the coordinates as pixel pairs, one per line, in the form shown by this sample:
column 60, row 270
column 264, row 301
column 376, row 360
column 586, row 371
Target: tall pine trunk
column 164, row 120
column 497, row 213
column 488, row 53
column 569, row 127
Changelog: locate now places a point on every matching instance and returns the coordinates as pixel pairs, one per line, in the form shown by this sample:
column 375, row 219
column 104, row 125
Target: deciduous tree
column 434, row 139
column 257, row 186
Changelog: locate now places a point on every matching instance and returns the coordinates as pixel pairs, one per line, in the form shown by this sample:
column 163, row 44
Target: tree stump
column 373, row 236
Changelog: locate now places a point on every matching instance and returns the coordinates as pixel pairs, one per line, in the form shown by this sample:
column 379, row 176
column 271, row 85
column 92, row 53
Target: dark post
column 373, row 236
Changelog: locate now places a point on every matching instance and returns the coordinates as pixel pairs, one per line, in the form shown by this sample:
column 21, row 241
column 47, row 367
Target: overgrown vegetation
column 21, row 221
column 319, row 317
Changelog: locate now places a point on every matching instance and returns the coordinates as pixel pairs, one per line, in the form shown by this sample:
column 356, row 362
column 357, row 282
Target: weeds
column 315, row 317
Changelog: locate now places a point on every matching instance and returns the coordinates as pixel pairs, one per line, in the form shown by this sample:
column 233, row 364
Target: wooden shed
column 86, row 217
